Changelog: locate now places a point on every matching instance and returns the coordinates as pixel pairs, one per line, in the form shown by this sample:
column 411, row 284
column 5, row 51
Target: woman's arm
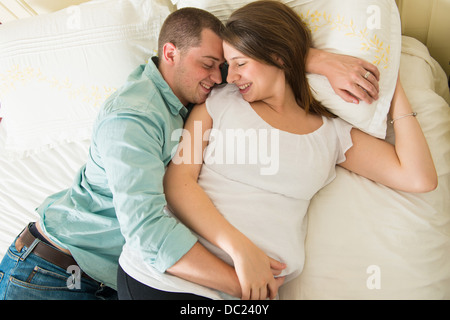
column 193, row 207
column 346, row 75
column 407, row 166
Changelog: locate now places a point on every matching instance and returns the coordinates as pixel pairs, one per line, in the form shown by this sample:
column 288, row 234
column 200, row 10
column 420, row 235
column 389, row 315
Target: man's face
column 198, row 69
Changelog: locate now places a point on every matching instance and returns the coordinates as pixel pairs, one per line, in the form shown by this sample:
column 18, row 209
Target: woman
column 254, row 218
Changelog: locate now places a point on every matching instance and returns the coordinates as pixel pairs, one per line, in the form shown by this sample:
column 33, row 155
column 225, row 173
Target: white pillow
column 367, row 29
column 57, row 69
column 223, row 9
column 370, row 30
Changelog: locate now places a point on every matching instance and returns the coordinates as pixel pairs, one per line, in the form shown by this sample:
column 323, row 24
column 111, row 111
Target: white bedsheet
column 25, row 183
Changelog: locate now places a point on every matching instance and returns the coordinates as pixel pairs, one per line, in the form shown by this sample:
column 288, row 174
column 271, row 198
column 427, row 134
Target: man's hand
column 351, row 78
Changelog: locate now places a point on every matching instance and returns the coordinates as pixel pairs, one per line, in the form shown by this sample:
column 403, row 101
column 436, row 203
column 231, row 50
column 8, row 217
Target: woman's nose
column 232, row 75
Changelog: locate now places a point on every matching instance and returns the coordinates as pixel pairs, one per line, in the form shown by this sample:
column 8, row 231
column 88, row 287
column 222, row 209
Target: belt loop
column 30, row 249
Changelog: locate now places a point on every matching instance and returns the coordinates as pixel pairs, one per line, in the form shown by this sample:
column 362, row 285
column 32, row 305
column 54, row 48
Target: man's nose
column 216, row 76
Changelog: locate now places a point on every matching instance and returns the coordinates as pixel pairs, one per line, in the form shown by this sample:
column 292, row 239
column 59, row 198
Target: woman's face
column 256, row 80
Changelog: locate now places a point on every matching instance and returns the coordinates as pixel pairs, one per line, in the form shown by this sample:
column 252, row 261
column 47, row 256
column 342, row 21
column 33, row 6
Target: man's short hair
column 183, row 28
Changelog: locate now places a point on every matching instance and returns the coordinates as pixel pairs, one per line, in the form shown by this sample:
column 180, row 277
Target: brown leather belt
column 46, row 252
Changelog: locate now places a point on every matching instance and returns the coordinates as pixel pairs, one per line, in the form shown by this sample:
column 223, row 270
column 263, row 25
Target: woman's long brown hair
column 269, row 31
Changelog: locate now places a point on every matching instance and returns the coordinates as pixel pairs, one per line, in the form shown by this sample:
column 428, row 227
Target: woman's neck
column 283, row 99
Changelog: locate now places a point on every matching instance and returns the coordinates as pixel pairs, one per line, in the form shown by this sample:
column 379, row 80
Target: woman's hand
column 256, row 272
column 351, row 78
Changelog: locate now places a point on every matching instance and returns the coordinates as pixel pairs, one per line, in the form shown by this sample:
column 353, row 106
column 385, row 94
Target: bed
column 364, row 240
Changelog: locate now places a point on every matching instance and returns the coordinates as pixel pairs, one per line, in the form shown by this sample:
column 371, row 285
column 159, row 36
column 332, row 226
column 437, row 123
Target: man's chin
column 200, row 99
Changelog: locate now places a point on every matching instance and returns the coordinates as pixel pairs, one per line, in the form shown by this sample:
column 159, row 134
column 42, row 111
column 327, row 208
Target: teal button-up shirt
column 118, row 195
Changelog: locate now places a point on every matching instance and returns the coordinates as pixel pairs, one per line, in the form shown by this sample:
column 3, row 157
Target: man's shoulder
column 138, row 98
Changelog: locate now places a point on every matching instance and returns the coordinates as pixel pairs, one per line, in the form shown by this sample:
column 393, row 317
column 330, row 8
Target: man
column 117, row 197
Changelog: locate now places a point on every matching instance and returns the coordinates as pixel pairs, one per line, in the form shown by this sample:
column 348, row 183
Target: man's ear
column 170, row 52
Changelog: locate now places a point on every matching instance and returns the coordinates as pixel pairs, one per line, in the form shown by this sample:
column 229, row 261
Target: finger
column 276, row 272
column 371, row 79
column 273, row 289
column 245, row 293
column 361, row 94
column 280, row 281
column 370, row 84
column 254, row 294
column 347, row 97
column 263, row 293
column 274, row 285
column 277, row 265
column 368, row 88
column 372, row 68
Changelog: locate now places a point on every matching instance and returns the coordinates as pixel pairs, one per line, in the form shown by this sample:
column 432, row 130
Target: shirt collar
column 174, row 104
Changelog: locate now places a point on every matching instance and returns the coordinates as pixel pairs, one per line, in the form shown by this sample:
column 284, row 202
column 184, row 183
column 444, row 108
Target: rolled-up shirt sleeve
column 130, row 149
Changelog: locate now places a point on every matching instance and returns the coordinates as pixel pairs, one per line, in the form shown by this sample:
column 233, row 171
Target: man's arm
column 131, row 157
column 202, row 267
column 347, row 75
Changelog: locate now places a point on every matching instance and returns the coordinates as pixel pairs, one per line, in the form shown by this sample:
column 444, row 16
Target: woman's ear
column 170, row 52
column 279, row 60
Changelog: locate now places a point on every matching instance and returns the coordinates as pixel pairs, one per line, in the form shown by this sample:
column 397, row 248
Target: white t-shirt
column 262, row 180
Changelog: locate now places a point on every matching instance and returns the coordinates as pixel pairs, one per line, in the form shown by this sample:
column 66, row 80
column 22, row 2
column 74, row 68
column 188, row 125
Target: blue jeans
column 25, row 276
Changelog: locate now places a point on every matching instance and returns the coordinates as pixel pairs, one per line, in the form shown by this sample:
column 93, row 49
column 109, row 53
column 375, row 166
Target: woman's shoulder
column 223, row 98
column 341, row 129
column 339, row 124
column 223, row 90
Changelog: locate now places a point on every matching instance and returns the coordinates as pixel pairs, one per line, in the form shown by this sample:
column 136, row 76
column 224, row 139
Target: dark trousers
column 129, row 288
